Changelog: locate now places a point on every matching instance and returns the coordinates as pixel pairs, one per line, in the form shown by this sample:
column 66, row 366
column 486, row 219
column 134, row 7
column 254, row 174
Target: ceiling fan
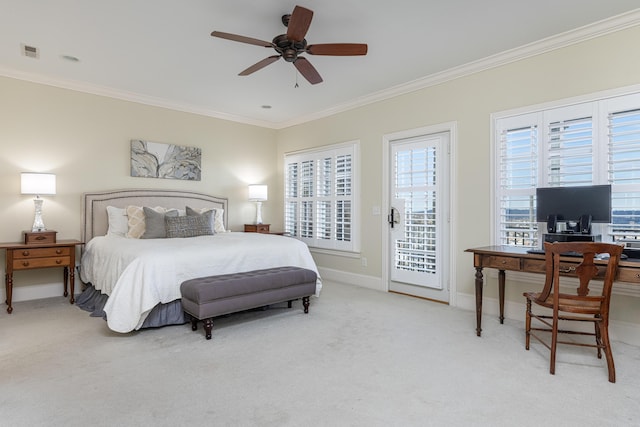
column 292, row 44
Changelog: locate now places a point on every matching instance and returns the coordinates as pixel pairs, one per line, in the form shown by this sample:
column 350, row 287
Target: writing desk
column 511, row 258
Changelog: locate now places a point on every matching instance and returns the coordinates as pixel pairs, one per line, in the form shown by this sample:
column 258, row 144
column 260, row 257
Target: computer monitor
column 571, row 203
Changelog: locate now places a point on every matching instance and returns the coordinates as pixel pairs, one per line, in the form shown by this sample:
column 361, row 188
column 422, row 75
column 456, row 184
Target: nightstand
column 256, row 228
column 31, row 256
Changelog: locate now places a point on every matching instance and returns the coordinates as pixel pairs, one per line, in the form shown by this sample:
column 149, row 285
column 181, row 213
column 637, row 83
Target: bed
column 134, row 282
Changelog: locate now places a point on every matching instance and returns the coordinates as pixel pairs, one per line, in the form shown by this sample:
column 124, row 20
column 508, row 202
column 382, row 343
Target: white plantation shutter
column 324, row 209
column 321, row 213
column 291, row 196
column 570, row 152
column 518, row 160
column 624, row 172
column 343, row 192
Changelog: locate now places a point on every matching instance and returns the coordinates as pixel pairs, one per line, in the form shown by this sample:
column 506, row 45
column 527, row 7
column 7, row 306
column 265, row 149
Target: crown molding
column 94, row 89
column 578, row 35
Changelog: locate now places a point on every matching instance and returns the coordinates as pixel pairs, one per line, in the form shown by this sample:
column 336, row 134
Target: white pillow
column 118, row 221
column 218, row 221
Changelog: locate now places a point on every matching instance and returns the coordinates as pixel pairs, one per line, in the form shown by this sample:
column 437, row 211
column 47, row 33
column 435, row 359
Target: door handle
column 393, row 217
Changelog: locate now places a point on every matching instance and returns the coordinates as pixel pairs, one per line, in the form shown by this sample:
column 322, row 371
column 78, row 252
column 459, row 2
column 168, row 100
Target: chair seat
column 568, row 303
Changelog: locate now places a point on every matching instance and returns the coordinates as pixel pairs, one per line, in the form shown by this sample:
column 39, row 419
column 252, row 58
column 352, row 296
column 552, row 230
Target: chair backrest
column 586, row 270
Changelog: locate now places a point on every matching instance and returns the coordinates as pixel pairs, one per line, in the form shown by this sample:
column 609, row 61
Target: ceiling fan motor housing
column 287, row 48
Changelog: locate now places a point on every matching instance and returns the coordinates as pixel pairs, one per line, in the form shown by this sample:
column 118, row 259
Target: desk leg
column 501, row 280
column 66, row 279
column 479, row 283
column 8, row 283
column 72, row 283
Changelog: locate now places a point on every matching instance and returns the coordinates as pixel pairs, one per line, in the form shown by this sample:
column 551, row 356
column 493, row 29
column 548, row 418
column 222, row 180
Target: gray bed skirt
column 93, row 301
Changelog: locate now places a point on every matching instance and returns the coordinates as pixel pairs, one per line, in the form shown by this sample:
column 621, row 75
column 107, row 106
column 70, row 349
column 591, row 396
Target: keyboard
column 541, row 252
column 570, row 254
column 536, row 251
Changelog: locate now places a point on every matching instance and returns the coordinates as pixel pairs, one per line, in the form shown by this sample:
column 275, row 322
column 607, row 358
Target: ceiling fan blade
column 299, row 23
column 307, row 70
column 241, row 39
column 259, row 65
column 337, row 49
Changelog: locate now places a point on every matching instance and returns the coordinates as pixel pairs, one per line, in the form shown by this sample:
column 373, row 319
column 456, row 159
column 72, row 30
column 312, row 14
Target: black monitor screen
column 569, row 203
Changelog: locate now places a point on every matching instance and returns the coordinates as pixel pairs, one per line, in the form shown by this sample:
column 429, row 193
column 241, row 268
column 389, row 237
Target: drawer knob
column 25, row 253
column 58, row 261
column 504, row 261
column 58, row 251
column 25, row 263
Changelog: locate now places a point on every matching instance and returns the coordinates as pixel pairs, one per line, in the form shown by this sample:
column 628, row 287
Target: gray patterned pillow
column 208, row 214
column 187, row 226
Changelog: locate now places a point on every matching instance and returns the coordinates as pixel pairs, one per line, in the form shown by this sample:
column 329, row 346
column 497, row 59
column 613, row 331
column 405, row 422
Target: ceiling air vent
column 30, row 51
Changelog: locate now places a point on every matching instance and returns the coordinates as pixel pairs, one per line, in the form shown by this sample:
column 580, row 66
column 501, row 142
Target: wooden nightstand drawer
column 39, row 237
column 256, row 228
column 41, row 252
column 28, row 263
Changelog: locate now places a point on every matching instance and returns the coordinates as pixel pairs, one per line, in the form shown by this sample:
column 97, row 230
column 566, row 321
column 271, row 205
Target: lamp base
column 258, row 212
column 38, row 224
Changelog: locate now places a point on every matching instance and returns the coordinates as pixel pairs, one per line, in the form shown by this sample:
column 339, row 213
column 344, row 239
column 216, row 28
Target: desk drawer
column 567, row 268
column 41, row 253
column 534, row 265
column 26, row 264
column 629, row 275
column 501, row 262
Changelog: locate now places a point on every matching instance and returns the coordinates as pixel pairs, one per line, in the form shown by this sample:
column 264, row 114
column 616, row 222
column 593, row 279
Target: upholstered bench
column 206, row 297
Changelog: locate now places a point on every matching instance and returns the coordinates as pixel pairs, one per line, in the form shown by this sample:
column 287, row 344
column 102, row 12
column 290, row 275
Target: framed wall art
column 158, row 160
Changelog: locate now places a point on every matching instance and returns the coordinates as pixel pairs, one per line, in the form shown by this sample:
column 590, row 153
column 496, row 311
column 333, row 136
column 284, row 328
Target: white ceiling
column 160, row 52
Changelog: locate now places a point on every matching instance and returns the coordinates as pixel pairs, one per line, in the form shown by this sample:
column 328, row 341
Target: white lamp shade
column 37, row 183
column 258, row 193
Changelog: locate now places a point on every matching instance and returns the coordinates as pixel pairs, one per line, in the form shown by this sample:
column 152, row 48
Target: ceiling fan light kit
column 291, row 45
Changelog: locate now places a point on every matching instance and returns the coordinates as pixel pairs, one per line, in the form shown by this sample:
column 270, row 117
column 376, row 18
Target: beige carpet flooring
column 359, row 358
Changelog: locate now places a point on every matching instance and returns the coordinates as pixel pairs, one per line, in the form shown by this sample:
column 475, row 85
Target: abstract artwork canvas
column 158, row 160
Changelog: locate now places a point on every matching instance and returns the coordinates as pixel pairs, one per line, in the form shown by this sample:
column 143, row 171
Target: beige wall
column 85, row 140
column 595, row 65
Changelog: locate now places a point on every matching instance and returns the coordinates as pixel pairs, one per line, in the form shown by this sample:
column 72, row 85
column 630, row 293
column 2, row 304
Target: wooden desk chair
column 578, row 305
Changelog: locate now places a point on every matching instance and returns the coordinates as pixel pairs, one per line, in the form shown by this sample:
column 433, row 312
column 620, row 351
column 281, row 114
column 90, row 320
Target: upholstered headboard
column 94, row 205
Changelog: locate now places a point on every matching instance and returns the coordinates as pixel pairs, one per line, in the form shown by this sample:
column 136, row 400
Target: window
column 595, row 142
column 320, row 202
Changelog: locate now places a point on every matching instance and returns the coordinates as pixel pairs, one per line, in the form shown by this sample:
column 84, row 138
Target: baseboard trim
column 369, row 282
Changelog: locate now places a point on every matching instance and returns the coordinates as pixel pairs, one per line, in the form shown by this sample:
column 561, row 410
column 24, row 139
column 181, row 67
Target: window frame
column 599, row 106
column 318, row 156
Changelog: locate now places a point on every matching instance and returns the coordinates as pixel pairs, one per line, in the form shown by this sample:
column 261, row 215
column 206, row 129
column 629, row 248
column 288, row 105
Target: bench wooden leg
column 208, row 326
column 305, row 303
column 289, row 303
column 194, row 324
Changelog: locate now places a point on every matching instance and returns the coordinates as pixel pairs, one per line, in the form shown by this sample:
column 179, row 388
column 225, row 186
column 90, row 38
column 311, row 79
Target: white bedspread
column 137, row 274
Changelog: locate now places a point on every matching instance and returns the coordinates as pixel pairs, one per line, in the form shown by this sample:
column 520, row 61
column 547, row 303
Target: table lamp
column 258, row 194
column 38, row 184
